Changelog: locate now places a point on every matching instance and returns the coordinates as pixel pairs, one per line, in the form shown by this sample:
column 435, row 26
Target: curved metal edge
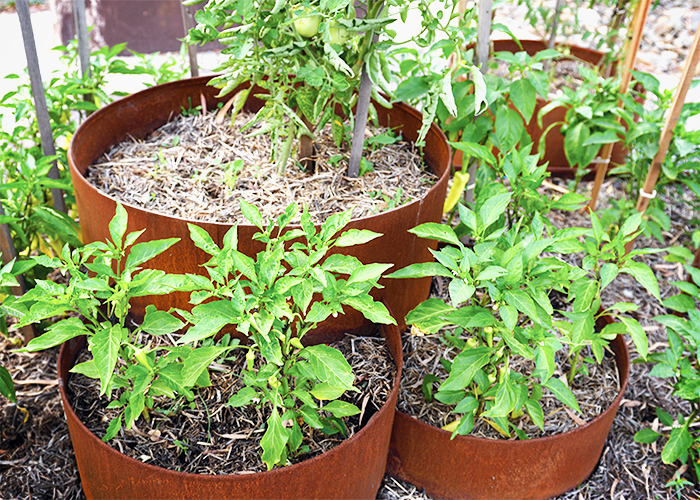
column 143, row 111
column 105, row 117
column 479, row 468
column 353, row 469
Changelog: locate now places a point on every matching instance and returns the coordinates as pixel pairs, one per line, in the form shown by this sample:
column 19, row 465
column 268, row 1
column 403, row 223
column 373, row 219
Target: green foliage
column 308, row 57
column 269, row 300
column 25, row 187
column 679, row 170
column 500, row 303
column 8, row 280
column 121, row 358
column 593, row 118
column 679, row 364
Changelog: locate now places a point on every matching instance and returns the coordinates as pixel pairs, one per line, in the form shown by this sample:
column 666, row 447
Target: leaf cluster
column 102, row 278
column 679, row 364
column 501, row 292
column 275, row 300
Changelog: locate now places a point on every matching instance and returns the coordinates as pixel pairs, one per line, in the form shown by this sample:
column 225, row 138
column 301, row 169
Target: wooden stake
column 632, row 47
column 647, row 192
column 358, row 135
column 483, row 39
column 188, row 24
column 42, row 113
column 483, row 34
column 670, row 125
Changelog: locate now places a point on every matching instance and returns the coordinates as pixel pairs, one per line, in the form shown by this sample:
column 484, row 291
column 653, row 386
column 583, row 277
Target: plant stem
column 574, row 364
column 286, row 150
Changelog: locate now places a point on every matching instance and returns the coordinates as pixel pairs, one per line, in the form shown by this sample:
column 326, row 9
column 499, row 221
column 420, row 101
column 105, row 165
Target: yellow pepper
column 458, row 184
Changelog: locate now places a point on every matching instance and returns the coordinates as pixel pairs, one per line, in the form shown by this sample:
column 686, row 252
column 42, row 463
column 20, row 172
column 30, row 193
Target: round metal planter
column 140, row 113
column 554, row 154
column 498, row 469
column 353, row 469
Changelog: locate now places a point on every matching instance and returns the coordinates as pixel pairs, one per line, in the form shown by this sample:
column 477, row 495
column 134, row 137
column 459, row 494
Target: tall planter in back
column 138, row 114
column 310, row 72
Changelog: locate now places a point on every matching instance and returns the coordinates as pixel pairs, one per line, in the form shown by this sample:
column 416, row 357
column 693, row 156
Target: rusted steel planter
column 141, row 113
column 479, row 468
column 554, row 142
column 353, row 469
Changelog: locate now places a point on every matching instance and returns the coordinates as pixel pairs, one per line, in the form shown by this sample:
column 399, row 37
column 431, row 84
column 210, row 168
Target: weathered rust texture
column 141, row 113
column 353, row 469
column 496, row 469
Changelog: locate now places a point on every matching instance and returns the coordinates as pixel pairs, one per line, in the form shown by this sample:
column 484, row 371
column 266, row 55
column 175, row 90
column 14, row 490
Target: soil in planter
column 594, row 392
column 186, row 169
column 208, row 437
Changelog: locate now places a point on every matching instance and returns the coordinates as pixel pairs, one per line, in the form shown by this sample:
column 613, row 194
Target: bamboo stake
column 188, row 24
column 670, row 125
column 647, row 192
column 633, row 41
column 42, row 113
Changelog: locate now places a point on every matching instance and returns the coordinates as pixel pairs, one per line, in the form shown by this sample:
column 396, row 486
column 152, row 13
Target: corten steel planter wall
column 554, row 142
column 497, row 469
column 140, row 113
column 353, row 469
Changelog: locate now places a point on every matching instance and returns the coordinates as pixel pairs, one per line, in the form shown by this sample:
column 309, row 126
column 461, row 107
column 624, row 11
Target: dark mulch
column 36, row 455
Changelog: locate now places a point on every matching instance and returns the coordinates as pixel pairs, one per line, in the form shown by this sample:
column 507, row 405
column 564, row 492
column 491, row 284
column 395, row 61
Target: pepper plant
column 679, row 170
column 679, row 364
column 500, row 307
column 593, row 118
column 269, row 299
column 8, row 280
column 102, row 279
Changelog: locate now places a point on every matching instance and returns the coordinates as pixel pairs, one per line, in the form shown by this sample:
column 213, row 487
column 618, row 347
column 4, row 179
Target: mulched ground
column 36, row 458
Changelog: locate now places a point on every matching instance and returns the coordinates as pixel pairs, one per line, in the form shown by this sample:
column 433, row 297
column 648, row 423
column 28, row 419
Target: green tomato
column 339, row 34
column 307, row 26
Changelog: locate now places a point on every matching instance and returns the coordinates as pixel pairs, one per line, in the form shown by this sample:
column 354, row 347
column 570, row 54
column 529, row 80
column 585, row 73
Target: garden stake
column 42, row 114
column 648, row 192
column 482, row 61
column 83, row 44
column 638, row 22
column 187, row 24
column 553, row 34
column 7, row 248
column 358, row 135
